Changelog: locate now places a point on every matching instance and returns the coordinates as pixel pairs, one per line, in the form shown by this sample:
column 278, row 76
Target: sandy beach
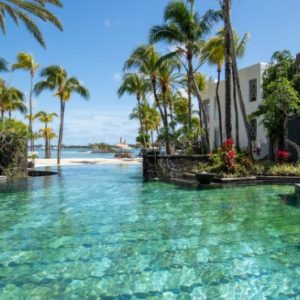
column 87, row 161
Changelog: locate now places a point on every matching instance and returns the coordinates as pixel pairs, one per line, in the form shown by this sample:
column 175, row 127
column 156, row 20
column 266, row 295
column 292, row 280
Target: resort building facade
column 251, row 85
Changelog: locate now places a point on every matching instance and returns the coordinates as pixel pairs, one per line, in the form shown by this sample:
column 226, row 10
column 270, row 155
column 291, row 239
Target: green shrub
column 283, row 170
column 13, row 147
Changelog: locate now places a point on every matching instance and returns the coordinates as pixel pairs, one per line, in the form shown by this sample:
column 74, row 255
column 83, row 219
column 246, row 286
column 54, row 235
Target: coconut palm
column 135, row 84
column 214, row 53
column 167, row 81
column 57, row 79
column 230, row 48
column 26, row 62
column 46, row 118
column 186, row 29
column 11, row 99
column 22, row 11
column 152, row 120
column 146, row 60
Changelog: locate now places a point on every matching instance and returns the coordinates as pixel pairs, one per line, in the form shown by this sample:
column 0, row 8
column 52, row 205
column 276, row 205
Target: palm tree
column 135, row 84
column 11, row 99
column 185, row 28
column 57, row 79
column 26, row 62
column 151, row 119
column 214, row 52
column 231, row 43
column 167, row 80
column 146, row 59
column 46, row 131
column 22, row 11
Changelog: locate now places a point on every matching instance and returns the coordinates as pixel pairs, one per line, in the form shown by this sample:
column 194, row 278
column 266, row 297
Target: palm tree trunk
column 140, row 119
column 190, row 75
column 61, row 130
column 236, row 111
column 153, row 82
column 30, row 112
column 166, row 125
column 46, row 141
column 205, row 119
column 9, row 114
column 189, row 92
column 172, row 117
column 49, row 147
column 219, row 107
column 152, row 139
column 2, row 115
column 237, row 80
column 228, row 54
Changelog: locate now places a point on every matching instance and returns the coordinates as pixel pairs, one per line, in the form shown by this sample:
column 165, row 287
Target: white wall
column 246, row 74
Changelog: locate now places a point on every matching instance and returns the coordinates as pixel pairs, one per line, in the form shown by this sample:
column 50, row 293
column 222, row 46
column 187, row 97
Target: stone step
column 2, row 178
column 189, row 176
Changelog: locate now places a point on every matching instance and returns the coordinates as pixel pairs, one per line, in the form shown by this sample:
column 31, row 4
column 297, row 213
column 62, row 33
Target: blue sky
column 99, row 35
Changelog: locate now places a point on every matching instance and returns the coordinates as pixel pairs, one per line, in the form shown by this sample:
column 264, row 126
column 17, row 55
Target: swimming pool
column 101, row 232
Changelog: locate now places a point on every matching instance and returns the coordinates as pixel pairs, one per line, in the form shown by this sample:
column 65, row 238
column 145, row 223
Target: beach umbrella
column 123, row 146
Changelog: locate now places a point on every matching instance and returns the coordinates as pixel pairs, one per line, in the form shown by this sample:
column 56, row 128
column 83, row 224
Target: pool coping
column 219, row 183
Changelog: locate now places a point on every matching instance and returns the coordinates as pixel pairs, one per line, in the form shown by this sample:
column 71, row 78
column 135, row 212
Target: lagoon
column 100, row 232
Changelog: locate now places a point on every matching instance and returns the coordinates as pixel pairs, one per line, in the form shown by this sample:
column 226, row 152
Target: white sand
column 85, row 161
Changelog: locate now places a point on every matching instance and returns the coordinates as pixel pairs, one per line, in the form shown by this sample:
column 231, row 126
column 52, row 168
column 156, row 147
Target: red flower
column 231, row 154
column 282, row 155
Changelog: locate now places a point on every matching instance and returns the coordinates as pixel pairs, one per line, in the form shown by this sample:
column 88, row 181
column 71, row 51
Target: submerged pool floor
column 99, row 232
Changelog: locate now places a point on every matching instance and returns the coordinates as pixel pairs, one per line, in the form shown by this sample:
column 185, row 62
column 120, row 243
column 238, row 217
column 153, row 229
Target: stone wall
column 170, row 166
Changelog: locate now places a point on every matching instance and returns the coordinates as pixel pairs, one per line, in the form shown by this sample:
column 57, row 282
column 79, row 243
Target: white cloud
column 109, row 23
column 117, row 76
column 88, row 126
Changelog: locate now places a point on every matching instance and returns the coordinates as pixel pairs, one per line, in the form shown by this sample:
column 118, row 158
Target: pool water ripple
column 100, row 232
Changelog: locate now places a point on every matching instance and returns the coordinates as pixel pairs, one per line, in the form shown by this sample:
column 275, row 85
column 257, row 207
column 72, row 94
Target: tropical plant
column 46, row 118
column 167, row 82
column 11, row 99
column 213, row 52
column 280, row 104
column 57, row 79
column 13, row 137
column 186, row 29
column 26, row 62
column 135, row 84
column 22, row 11
column 146, row 60
column 231, row 62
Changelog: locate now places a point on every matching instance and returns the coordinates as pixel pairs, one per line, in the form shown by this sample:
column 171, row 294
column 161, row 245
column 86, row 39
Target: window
column 216, row 111
column 206, row 107
column 253, row 129
column 252, row 90
column 217, row 138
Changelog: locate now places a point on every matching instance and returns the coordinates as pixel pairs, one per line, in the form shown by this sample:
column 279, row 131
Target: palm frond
column 42, row 86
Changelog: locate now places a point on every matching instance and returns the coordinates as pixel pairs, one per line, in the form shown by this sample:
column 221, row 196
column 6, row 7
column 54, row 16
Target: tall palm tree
column 135, row 84
column 230, row 42
column 46, row 118
column 214, row 53
column 22, row 11
column 57, row 79
column 167, row 81
column 185, row 28
column 26, row 62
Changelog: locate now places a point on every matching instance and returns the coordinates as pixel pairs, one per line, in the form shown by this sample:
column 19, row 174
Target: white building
column 251, row 85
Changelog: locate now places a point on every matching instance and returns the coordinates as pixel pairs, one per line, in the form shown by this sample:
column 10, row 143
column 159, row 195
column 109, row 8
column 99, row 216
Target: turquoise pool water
column 99, row 232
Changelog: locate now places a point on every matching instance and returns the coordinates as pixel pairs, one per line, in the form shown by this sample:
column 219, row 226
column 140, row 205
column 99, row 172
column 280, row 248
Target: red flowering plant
column 282, row 155
column 229, row 155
